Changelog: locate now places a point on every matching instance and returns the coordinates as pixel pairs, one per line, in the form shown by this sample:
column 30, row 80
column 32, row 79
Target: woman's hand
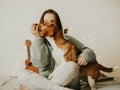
column 82, row 61
column 34, row 31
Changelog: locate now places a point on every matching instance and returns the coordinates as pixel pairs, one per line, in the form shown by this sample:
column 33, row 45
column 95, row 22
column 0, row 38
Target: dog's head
column 46, row 29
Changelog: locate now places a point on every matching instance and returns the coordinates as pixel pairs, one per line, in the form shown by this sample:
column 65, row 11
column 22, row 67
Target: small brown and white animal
column 70, row 52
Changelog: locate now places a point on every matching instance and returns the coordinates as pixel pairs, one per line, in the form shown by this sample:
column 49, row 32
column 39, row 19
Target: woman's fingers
column 82, row 61
column 34, row 30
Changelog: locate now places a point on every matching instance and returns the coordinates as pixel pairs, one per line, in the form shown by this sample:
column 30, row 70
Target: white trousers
column 66, row 74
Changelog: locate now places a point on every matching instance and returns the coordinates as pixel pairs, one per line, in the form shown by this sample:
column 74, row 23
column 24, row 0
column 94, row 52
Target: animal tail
column 105, row 69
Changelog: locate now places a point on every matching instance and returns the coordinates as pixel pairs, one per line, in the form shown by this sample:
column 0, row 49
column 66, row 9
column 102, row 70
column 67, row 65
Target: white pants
column 66, row 74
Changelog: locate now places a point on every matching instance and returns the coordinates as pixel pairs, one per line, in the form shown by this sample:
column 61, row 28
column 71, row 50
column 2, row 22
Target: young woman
column 43, row 59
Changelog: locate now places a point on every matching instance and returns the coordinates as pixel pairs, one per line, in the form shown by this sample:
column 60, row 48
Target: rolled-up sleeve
column 86, row 52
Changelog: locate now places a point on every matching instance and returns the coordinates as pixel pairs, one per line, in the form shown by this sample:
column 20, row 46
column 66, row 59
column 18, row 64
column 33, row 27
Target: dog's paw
column 67, row 89
column 50, row 76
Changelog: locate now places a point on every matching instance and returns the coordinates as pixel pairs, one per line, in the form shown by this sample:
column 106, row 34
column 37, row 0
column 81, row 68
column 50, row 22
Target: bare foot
column 22, row 87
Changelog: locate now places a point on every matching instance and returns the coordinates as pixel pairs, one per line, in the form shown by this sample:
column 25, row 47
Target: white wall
column 95, row 22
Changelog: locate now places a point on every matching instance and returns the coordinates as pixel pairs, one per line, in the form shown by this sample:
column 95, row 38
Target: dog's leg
column 91, row 83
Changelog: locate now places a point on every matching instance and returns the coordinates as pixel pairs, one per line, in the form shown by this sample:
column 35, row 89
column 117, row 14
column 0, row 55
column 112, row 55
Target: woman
column 43, row 59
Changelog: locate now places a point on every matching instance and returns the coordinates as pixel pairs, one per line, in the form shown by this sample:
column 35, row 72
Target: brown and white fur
column 70, row 53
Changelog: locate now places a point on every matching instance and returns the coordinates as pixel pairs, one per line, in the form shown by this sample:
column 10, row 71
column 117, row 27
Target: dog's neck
column 56, row 42
column 59, row 40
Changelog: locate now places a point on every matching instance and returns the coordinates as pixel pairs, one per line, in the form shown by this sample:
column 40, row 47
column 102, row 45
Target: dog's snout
column 39, row 30
column 35, row 24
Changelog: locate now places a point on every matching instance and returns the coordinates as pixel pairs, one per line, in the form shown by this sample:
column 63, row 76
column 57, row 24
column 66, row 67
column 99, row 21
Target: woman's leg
column 66, row 74
column 34, row 81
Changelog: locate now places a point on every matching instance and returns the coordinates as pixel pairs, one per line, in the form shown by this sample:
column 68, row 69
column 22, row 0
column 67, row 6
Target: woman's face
column 50, row 18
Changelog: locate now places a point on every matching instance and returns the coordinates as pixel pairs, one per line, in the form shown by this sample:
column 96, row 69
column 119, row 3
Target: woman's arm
column 41, row 57
column 39, row 53
column 87, row 53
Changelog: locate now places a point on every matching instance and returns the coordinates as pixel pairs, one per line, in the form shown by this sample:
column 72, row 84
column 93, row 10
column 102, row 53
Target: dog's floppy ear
column 50, row 25
column 46, row 24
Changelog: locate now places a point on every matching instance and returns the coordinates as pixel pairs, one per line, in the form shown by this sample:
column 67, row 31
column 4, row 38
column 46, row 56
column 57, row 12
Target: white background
column 94, row 22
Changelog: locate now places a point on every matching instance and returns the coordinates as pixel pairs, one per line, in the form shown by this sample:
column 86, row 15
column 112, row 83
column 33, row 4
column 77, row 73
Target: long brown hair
column 58, row 21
